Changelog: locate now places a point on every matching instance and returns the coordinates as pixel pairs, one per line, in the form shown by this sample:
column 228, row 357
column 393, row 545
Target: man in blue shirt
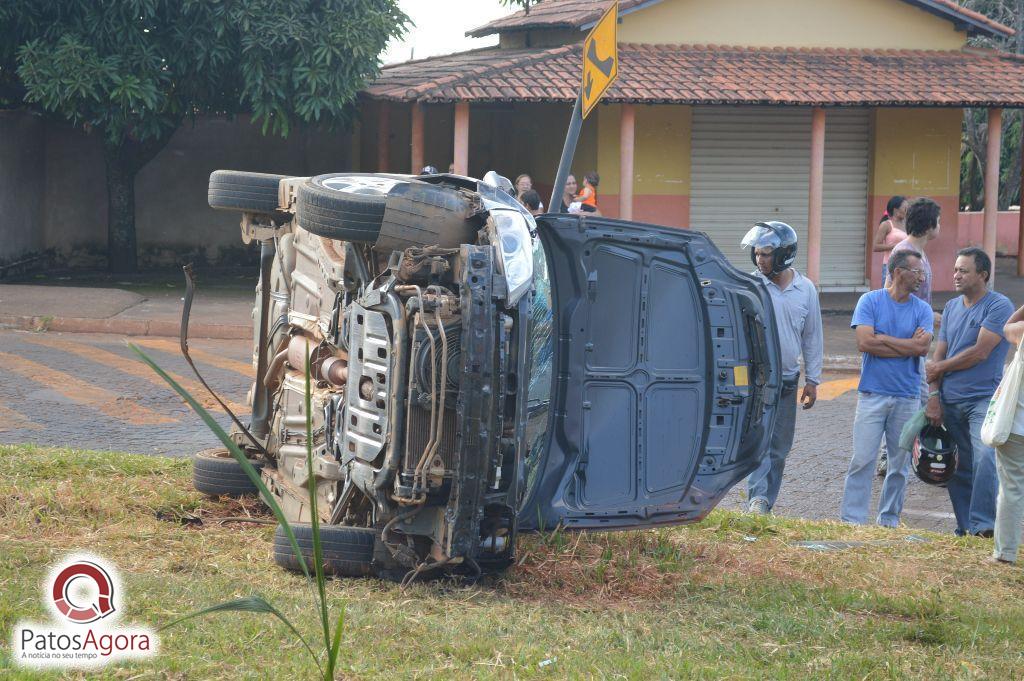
column 964, row 372
column 894, row 330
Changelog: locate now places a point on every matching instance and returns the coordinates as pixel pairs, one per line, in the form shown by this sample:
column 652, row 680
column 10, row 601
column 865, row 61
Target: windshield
column 541, row 343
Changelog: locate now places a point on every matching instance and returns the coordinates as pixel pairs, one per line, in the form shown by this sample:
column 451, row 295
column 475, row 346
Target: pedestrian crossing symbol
column 600, row 59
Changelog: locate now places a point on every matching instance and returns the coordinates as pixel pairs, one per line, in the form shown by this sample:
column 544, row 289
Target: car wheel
column 215, row 472
column 347, row 551
column 247, row 192
column 390, row 211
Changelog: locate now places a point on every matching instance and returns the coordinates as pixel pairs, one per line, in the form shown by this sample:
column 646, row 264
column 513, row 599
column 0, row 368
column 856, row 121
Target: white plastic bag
column 999, row 417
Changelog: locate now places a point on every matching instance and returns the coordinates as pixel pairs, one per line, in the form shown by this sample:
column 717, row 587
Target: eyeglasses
column 915, row 272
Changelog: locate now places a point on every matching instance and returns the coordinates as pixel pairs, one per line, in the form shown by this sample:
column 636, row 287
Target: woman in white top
column 1010, row 468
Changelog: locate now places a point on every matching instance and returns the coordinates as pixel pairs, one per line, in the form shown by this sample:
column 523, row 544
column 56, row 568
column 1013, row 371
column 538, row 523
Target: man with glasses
column 964, row 372
column 922, row 224
column 894, row 330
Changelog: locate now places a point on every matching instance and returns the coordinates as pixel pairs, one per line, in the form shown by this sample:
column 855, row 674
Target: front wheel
column 390, row 211
column 347, row 551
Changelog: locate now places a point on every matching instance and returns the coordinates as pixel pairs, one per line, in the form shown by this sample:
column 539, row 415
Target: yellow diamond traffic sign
column 600, row 59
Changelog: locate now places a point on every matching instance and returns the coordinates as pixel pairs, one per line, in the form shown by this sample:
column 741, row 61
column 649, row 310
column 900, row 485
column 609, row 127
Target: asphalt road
column 90, row 392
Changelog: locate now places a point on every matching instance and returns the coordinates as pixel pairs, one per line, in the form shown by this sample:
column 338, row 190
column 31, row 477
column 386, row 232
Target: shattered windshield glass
column 541, row 345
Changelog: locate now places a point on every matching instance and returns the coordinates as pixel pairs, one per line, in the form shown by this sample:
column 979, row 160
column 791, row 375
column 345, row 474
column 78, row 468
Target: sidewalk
column 142, row 305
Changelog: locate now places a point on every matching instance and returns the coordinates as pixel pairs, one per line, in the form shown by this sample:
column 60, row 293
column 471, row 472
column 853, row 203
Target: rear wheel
column 347, row 551
column 215, row 472
column 247, row 192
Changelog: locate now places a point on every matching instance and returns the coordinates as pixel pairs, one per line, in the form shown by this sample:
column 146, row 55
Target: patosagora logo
column 83, row 593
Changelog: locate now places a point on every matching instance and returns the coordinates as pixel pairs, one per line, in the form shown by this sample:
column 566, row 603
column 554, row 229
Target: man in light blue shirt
column 798, row 316
column 894, row 330
column 964, row 372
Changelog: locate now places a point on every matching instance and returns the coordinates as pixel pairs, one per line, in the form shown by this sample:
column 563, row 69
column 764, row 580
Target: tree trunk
column 123, row 161
column 121, row 243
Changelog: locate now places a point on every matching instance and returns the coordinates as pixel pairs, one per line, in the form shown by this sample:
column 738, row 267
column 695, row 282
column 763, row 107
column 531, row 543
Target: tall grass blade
column 332, row 654
column 314, row 515
column 237, row 453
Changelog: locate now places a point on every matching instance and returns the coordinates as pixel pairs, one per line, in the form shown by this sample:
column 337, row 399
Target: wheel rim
column 372, row 186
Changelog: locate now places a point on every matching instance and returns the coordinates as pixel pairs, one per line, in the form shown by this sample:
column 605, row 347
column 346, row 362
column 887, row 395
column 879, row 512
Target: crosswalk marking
column 243, row 368
column 81, row 392
column 12, row 420
column 830, row 390
column 133, row 367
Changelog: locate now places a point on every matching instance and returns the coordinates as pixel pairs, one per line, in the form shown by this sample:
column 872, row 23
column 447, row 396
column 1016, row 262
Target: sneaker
column 758, row 506
column 996, row 560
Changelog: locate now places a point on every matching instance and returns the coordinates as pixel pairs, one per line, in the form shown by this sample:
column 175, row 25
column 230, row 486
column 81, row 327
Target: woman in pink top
column 891, row 230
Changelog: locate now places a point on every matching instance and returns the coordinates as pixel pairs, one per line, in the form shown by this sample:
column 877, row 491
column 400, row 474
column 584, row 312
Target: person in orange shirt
column 588, row 197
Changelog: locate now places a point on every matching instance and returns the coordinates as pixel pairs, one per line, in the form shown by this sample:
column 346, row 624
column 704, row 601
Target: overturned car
column 477, row 372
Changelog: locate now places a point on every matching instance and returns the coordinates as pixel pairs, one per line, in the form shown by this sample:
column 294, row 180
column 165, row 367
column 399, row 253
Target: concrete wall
column 22, row 178
column 173, row 221
column 972, row 226
column 871, row 24
column 916, row 152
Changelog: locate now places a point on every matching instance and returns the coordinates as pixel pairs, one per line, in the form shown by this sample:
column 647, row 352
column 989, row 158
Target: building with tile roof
column 724, row 113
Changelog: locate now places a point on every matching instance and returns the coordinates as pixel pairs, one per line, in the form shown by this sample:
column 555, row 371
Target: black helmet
column 778, row 236
column 428, row 170
column 934, row 457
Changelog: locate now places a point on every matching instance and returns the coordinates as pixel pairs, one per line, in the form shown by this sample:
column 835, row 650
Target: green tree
column 975, row 128
column 133, row 71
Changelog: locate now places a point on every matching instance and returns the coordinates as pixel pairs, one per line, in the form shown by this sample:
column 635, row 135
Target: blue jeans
column 975, row 483
column 766, row 480
column 878, row 415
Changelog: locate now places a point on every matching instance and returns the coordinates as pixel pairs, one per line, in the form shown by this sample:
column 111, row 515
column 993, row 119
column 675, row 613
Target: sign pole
column 600, row 68
column 568, row 151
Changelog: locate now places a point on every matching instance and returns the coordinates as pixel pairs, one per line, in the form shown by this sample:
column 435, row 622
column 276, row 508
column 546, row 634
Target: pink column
column 995, row 132
column 815, row 192
column 416, row 139
column 383, row 136
column 627, row 129
column 1020, row 228
column 461, row 151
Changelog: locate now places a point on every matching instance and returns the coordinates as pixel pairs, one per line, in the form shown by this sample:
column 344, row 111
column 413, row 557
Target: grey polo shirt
column 798, row 316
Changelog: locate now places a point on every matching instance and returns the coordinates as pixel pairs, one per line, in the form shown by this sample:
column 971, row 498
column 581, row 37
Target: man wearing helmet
column 894, row 330
column 773, row 249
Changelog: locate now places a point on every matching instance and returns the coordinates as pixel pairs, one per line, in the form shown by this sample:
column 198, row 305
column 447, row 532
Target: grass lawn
column 731, row 597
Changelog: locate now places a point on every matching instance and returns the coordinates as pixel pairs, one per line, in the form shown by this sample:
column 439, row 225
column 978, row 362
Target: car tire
column 390, row 211
column 347, row 551
column 247, row 192
column 215, row 472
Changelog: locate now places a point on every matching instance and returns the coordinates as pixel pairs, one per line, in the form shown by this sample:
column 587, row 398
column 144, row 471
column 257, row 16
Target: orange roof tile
column 579, row 14
column 710, row 74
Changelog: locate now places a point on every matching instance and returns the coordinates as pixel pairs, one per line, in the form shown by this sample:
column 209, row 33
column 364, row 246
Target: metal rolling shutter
column 752, row 163
column 844, row 210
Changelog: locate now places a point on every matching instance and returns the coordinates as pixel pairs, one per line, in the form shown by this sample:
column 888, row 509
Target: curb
column 125, row 327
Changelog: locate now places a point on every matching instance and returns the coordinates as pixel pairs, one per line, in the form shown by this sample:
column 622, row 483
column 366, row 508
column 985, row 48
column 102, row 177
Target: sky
column 440, row 27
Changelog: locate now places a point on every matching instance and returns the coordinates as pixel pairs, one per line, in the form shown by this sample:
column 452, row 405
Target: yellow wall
column 916, row 152
column 661, row 155
column 868, row 24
